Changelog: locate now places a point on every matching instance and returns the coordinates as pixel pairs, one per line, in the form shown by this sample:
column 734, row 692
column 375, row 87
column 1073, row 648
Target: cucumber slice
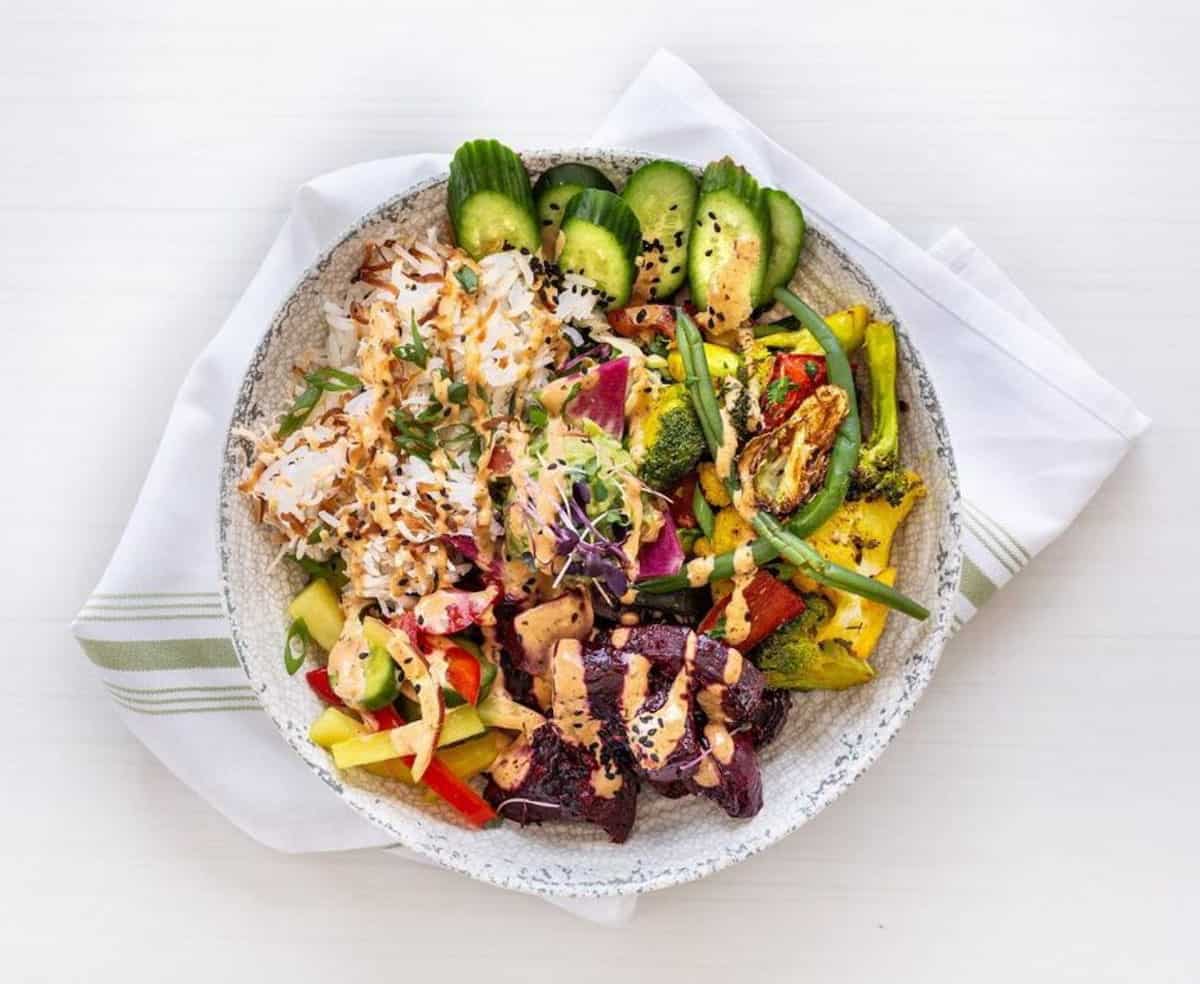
column 787, row 236
column 559, row 185
column 732, row 207
column 491, row 203
column 663, row 196
column 379, row 675
column 602, row 237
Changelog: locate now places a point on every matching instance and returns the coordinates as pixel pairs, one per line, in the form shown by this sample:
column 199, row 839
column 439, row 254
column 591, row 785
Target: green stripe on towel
column 165, row 654
column 1005, row 538
column 218, row 708
column 976, row 586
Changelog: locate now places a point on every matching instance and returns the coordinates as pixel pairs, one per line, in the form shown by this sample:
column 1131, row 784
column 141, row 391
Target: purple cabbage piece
column 601, row 397
column 557, row 784
column 464, row 544
column 665, row 555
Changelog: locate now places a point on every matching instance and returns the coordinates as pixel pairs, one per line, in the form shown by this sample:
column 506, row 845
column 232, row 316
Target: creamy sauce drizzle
column 699, row 570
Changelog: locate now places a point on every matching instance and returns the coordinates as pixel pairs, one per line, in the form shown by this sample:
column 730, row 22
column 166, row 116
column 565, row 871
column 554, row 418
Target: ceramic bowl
column 831, row 738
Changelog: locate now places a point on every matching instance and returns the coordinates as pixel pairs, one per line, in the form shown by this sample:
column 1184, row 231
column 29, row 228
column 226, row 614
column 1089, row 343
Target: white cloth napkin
column 1035, row 432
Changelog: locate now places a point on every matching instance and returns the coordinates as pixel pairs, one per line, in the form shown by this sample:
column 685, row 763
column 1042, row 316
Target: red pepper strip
column 463, row 673
column 383, row 719
column 681, row 504
column 769, row 602
column 319, row 681
column 804, row 372
column 438, row 776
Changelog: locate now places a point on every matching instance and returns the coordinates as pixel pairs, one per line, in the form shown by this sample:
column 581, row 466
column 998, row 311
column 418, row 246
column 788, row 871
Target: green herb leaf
column 811, row 369
column 718, row 630
column 458, row 393
column 315, row 535
column 295, row 646
column 778, row 390
column 468, row 278
column 430, row 413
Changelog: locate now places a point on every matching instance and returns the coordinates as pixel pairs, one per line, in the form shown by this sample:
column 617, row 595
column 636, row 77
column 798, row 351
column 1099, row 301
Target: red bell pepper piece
column 463, row 673
column 769, row 602
column 318, row 680
column 804, row 373
column 438, row 776
column 681, row 504
column 643, row 321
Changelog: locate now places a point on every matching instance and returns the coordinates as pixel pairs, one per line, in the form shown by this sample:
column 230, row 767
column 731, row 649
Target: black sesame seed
column 676, row 269
column 716, row 227
column 554, row 206
column 673, row 207
column 713, row 216
column 708, row 252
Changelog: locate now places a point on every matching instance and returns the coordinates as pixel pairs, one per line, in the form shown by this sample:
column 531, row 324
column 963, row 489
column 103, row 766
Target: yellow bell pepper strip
column 722, row 361
column 849, row 326
column 438, row 777
column 397, row 742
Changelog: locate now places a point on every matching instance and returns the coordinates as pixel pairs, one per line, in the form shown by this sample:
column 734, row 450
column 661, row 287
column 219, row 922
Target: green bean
column 810, row 562
column 844, row 456
column 774, row 539
column 702, row 511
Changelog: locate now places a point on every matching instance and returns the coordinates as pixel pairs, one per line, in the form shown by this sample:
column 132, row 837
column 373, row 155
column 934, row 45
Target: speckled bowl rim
column 746, row 847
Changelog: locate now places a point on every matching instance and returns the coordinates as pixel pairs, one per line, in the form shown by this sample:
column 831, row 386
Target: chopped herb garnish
column 811, row 369
column 333, row 380
column 412, row 436
column 333, row 572
column 319, row 381
column 468, row 278
column 295, row 646
column 659, row 345
column 415, row 351
column 431, row 412
column 457, row 393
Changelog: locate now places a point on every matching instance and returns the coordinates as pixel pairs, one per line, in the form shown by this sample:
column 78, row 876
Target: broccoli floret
column 671, row 438
column 792, row 659
column 878, row 474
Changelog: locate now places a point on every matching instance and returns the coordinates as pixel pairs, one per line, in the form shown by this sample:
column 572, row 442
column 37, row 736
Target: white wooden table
column 1036, row 820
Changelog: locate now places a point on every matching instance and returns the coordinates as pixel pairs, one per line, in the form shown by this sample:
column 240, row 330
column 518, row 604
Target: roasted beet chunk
column 739, row 681
column 739, row 786
column 771, row 716
column 547, row 777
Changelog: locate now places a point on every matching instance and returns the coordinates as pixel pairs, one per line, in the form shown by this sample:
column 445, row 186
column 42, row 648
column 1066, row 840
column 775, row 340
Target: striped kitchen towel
column 1035, row 432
